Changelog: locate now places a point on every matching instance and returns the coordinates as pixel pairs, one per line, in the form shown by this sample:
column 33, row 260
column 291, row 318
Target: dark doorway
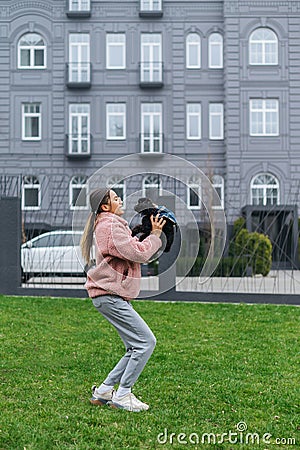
column 280, row 224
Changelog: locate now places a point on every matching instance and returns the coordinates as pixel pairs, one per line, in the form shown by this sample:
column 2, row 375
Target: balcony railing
column 78, row 8
column 79, row 75
column 151, row 8
column 78, row 146
column 151, row 143
column 151, row 74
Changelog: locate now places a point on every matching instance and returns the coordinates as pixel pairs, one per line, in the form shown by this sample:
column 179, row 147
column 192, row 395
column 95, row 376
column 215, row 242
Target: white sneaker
column 101, row 399
column 128, row 402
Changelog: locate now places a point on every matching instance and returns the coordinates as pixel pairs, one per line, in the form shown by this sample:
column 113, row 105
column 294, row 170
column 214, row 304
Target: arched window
column 31, row 52
column 31, row 193
column 215, row 51
column 264, row 190
column 194, row 193
column 263, row 47
column 78, row 192
column 152, row 187
column 118, row 185
column 193, row 51
column 218, row 184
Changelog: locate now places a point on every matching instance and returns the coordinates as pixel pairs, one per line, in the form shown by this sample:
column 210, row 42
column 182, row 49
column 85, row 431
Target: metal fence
column 48, row 257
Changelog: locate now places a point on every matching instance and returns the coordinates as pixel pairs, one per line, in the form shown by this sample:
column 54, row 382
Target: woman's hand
column 157, row 225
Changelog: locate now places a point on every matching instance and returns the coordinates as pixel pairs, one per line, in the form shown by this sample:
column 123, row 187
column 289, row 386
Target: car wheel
column 25, row 276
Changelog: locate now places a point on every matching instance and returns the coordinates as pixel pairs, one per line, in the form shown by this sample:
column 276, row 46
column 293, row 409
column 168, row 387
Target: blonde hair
column 98, row 198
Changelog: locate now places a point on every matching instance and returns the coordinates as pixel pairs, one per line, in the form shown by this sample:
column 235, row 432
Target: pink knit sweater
column 118, row 258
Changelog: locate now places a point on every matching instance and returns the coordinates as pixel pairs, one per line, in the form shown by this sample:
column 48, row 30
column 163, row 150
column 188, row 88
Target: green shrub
column 248, row 253
column 258, row 249
column 238, row 225
column 263, row 255
column 242, row 243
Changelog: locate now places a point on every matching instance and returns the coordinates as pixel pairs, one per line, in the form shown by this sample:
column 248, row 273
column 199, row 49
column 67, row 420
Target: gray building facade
column 216, row 82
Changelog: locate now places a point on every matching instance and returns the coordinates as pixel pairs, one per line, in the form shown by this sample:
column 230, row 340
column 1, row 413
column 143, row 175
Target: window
column 115, row 51
column 151, row 5
column 78, row 192
column 79, row 53
column 79, row 128
column 152, row 187
column 194, row 193
column 263, row 47
column 215, row 52
column 54, row 239
column 193, row 128
column 265, row 190
column 31, row 122
column 151, row 136
column 31, row 193
column 193, row 51
column 31, row 52
column 218, row 185
column 216, row 121
column 264, row 117
column 151, row 58
column 118, row 185
column 44, row 241
column 79, row 5
column 115, row 121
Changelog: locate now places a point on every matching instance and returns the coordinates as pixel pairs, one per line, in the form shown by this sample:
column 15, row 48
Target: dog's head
column 144, row 204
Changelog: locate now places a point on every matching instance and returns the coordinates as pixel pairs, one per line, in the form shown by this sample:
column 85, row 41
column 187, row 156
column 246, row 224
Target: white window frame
column 78, row 182
column 118, row 183
column 216, row 45
column 151, row 181
column 80, row 43
column 32, row 49
column 263, row 43
column 264, row 111
column 194, row 184
column 264, row 187
column 114, row 40
column 218, row 184
column 79, row 111
column 80, row 4
column 28, row 115
column 189, row 45
column 150, row 5
column 193, row 114
column 151, row 111
column 219, row 116
column 31, row 182
column 151, row 70
column 120, row 111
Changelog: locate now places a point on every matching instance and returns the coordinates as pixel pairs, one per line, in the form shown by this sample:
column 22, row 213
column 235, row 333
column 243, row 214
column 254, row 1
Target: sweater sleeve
column 123, row 245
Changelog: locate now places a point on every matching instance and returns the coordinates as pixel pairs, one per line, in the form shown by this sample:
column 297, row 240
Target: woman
column 111, row 284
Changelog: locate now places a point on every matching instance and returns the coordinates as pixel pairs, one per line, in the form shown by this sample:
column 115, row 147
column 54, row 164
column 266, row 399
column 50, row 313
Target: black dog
column 146, row 208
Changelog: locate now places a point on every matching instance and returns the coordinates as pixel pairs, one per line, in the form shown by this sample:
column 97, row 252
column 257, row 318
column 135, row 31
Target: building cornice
column 241, row 7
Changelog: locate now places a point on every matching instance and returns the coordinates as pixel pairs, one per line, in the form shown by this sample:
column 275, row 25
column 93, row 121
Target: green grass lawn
column 214, row 366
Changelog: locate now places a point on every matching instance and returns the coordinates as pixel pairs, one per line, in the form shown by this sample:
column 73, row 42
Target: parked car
column 55, row 253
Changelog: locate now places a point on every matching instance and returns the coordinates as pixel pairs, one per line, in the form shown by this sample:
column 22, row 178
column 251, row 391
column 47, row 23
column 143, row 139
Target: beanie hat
column 96, row 198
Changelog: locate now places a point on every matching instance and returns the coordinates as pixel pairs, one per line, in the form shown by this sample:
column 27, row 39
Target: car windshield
column 57, row 240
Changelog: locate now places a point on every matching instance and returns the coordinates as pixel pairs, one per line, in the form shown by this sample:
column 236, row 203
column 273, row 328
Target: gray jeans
column 137, row 337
